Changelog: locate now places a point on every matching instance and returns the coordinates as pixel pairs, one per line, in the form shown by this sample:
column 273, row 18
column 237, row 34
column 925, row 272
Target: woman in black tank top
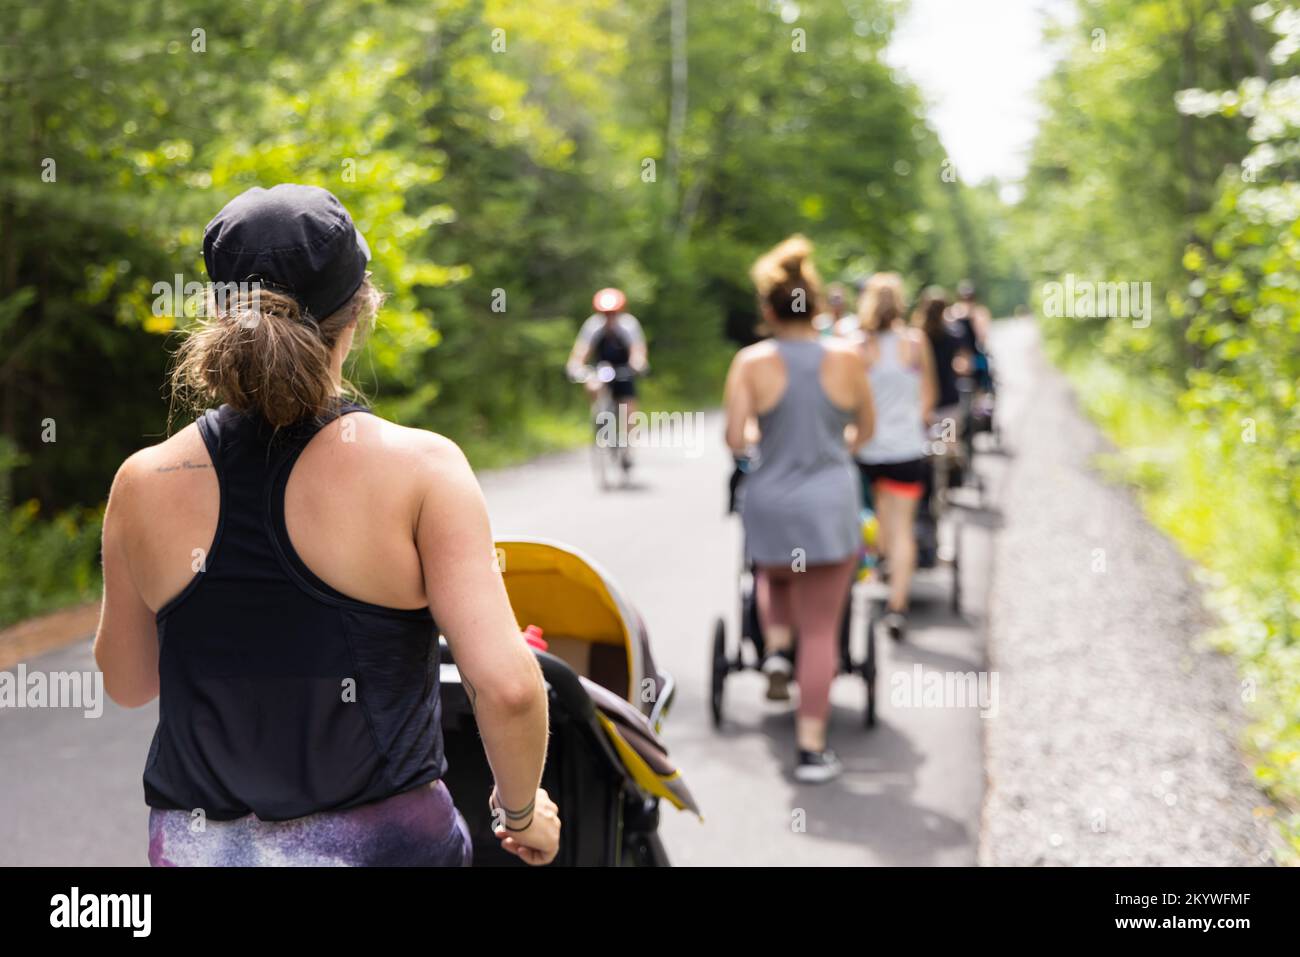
column 299, row 724
column 257, row 659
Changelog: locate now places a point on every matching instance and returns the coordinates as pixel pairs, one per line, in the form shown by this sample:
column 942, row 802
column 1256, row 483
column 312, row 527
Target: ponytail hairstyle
column 929, row 311
column 786, row 280
column 882, row 302
column 257, row 351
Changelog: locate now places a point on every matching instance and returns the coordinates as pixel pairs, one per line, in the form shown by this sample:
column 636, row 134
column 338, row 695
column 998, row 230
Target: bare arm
column 581, row 348
column 126, row 642
column 578, row 355
column 468, row 599
column 639, row 357
column 929, row 376
column 864, row 426
column 982, row 324
column 738, row 405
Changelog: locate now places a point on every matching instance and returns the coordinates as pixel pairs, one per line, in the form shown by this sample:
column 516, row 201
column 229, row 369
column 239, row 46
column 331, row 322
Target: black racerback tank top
column 279, row 695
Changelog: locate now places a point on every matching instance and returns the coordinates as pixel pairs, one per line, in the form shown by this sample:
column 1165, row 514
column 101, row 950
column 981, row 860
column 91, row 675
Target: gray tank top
column 803, row 498
column 896, row 391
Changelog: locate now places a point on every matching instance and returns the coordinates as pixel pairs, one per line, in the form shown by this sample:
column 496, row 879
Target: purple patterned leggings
column 420, row 827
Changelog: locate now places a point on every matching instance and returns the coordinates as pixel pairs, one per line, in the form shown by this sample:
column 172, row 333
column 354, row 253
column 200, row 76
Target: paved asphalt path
column 70, row 790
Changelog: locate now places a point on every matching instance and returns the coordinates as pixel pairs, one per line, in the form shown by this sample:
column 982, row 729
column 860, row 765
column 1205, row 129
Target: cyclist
column 800, row 505
column 900, row 367
column 610, row 336
column 613, row 336
column 273, row 572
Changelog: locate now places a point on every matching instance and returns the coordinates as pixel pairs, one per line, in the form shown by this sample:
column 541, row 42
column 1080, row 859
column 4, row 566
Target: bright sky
column 979, row 63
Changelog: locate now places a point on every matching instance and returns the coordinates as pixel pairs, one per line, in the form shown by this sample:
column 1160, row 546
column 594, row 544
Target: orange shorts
column 912, row 490
column 905, row 479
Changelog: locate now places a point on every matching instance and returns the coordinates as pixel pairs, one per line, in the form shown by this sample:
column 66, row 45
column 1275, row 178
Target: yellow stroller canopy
column 583, row 618
column 588, row 625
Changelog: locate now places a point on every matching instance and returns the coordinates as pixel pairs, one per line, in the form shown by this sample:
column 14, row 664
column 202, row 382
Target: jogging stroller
column 931, row 514
column 725, row 660
column 949, row 465
column 979, row 403
column 606, row 766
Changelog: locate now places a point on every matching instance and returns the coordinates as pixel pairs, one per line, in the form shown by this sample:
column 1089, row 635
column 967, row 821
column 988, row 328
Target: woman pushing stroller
column 297, row 658
column 810, row 398
column 901, row 368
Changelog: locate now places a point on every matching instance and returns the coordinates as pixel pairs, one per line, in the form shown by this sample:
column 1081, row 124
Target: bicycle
column 609, row 456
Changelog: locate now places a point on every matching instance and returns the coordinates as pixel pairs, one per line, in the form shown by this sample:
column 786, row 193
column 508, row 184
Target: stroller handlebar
column 563, row 684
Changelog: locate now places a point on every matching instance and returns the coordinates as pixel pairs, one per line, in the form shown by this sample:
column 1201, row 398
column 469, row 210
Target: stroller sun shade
column 591, row 628
column 584, row 620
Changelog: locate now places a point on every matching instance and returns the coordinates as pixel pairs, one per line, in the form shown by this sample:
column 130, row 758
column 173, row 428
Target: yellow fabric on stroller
column 590, row 627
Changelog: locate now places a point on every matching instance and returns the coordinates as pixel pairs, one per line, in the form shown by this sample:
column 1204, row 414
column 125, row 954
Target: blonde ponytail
column 786, row 279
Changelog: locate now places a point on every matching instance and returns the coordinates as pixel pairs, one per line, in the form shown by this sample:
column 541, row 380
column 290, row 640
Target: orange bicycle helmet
column 609, row 300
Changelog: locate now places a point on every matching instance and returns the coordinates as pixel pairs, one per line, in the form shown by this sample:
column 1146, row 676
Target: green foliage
column 43, row 564
column 504, row 159
column 1203, row 402
column 1118, row 174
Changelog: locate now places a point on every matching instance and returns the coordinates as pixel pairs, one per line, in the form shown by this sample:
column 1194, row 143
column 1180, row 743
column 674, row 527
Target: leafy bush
column 44, row 563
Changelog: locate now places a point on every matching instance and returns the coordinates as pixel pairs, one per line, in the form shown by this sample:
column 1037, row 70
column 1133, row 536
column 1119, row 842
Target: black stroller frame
column 604, row 821
column 979, row 411
column 751, row 632
column 724, row 662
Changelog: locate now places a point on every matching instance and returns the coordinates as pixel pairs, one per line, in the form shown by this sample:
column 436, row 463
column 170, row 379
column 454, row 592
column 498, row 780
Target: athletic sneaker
column 895, row 623
column 817, row 767
column 779, row 670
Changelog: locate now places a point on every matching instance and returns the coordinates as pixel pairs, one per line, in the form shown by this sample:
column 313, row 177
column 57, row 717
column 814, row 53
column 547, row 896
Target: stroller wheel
column 956, row 572
column 718, row 671
column 869, row 667
column 750, row 627
column 846, row 633
column 645, row 850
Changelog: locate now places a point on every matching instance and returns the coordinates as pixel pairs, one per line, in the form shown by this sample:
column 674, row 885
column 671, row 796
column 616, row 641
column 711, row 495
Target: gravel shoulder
column 1116, row 739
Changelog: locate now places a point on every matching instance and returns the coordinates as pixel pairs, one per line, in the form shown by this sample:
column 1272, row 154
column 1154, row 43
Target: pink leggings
column 812, row 602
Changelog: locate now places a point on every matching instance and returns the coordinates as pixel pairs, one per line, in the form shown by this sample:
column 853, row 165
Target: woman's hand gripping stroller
column 531, row 833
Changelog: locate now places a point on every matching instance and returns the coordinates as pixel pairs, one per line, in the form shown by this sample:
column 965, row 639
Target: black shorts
column 623, row 389
column 916, row 471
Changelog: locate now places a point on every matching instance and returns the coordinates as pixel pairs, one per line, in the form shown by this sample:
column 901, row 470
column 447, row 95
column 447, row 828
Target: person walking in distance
column 808, row 398
column 900, row 367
